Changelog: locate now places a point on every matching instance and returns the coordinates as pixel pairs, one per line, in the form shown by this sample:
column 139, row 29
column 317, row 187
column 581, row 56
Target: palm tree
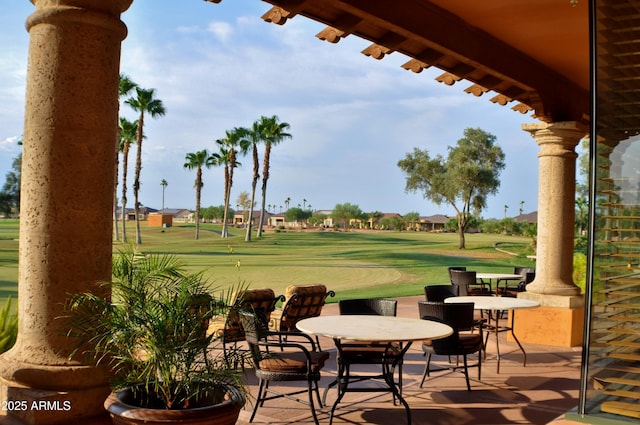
column 144, row 102
column 274, row 133
column 252, row 136
column 164, row 185
column 228, row 149
column 128, row 131
column 196, row 161
column 126, row 85
column 287, row 202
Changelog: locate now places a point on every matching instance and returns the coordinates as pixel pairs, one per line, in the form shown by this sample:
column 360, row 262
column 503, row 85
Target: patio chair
column 291, row 361
column 457, row 269
column 467, row 283
column 527, row 273
column 301, row 302
column 466, row 338
column 228, row 328
column 368, row 353
column 440, row 292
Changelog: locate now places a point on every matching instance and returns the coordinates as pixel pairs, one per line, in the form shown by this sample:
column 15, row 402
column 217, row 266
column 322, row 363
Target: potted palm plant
column 152, row 336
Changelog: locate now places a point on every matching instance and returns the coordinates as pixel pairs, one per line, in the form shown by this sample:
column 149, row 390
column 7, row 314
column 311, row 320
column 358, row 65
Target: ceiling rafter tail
column 286, row 9
column 500, row 99
column 331, row 34
column 415, row 65
column 343, row 26
column 376, row 51
column 522, row 108
column 448, row 78
column 476, row 89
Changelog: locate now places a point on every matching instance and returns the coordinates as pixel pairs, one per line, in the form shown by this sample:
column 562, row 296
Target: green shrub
column 580, row 271
column 8, row 327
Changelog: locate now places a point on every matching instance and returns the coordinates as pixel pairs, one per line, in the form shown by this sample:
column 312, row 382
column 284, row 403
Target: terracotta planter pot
column 225, row 413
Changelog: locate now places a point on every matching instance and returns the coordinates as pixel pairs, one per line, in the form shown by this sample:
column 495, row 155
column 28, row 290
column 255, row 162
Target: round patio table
column 384, row 330
column 496, row 305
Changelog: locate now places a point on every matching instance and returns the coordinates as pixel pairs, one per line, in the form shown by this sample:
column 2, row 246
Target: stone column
column 66, row 203
column 556, row 206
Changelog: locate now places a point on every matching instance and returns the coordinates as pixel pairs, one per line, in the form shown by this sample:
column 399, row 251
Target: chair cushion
column 294, row 362
column 470, row 340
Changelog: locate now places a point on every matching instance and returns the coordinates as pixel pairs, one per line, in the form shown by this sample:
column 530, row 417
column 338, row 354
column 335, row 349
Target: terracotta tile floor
column 539, row 393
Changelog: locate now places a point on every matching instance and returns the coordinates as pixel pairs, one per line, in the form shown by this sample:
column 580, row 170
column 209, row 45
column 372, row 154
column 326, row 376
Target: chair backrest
column 230, row 329
column 440, row 292
column 302, row 302
column 462, row 280
column 456, row 268
column 264, row 299
column 522, row 271
column 255, row 329
column 459, row 316
column 368, row 306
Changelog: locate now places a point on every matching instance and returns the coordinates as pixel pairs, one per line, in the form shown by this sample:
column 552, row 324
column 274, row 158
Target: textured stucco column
column 66, row 203
column 556, row 209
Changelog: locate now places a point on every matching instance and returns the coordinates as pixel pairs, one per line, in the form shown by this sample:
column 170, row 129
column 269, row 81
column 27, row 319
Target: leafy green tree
column 346, row 212
column 10, row 194
column 127, row 132
column 297, row 214
column 195, row 161
column 144, row 103
column 274, row 133
column 463, row 180
column 317, row 219
column 376, row 216
column 412, row 217
column 393, row 223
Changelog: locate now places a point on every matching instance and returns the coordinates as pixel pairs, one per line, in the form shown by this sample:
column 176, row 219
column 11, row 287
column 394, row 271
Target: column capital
column 570, row 131
column 112, row 7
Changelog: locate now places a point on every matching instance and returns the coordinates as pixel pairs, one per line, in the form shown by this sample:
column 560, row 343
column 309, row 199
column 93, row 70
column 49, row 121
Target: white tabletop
column 494, row 303
column 499, row 276
column 380, row 329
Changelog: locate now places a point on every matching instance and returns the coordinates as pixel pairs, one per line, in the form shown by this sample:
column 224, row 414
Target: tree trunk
column 136, row 182
column 125, row 166
column 461, row 227
column 115, row 192
column 198, row 194
column 254, row 183
column 265, row 177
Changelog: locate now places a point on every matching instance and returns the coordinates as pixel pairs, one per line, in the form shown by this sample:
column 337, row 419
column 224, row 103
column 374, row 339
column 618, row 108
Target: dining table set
column 388, row 330
column 390, row 337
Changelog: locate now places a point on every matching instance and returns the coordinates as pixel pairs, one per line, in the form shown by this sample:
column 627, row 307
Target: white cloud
column 222, row 30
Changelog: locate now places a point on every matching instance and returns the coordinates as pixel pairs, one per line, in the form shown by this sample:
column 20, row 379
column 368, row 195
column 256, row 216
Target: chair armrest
column 287, row 336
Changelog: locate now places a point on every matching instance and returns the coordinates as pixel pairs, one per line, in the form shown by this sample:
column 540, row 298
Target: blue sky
column 352, row 117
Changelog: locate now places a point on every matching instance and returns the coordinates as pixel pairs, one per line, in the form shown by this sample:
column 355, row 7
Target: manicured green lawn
column 354, row 264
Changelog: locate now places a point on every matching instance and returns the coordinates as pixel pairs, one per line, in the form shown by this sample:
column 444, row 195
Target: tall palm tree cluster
column 143, row 102
column 239, row 141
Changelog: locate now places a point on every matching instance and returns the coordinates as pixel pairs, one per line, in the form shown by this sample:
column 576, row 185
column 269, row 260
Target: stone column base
column 28, row 406
column 559, row 321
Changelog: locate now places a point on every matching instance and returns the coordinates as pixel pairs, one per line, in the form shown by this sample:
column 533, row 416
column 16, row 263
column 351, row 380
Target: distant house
column 131, row 213
column 433, row 223
column 240, row 218
column 180, row 215
column 276, row 220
